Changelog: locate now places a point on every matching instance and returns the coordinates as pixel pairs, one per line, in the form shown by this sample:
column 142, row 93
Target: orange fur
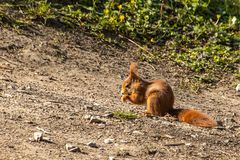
column 159, row 98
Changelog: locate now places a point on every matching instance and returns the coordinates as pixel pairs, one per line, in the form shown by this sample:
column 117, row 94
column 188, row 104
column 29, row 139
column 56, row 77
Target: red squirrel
column 158, row 96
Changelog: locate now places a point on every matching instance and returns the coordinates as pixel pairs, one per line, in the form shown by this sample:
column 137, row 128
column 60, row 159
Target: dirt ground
column 55, row 80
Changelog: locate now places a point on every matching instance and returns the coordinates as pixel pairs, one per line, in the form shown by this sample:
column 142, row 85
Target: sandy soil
column 55, row 80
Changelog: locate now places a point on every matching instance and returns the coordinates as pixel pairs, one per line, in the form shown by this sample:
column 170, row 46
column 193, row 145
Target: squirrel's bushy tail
column 194, row 117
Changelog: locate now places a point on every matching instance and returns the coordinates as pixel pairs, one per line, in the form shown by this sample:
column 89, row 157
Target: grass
column 125, row 115
column 202, row 36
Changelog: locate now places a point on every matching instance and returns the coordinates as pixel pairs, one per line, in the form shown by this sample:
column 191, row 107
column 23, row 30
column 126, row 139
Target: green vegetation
column 125, row 115
column 202, row 35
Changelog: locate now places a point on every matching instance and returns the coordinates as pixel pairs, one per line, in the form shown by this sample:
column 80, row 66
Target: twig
column 25, row 92
column 58, row 102
column 44, row 131
column 167, row 136
column 6, row 68
column 8, row 61
column 151, row 66
column 7, row 79
column 174, row 144
column 223, row 152
column 135, row 44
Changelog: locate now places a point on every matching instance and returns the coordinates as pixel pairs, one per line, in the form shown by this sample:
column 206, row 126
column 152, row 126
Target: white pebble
column 72, row 148
column 111, row 157
column 87, row 116
column 137, row 133
column 96, row 119
column 108, row 141
column 238, row 88
column 38, row 136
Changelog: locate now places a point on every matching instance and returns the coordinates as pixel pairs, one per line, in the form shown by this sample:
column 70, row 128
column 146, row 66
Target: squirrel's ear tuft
column 133, row 68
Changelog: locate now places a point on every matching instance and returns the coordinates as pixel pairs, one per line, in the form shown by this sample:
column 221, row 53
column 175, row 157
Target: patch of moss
column 125, row 115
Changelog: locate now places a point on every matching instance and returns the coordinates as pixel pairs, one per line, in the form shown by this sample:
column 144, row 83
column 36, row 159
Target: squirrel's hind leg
column 156, row 105
column 147, row 113
column 152, row 104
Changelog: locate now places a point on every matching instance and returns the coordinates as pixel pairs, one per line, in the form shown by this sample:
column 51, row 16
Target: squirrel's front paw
column 123, row 98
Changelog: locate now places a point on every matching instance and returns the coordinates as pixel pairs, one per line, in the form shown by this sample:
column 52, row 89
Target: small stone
column 88, row 107
column 11, row 87
column 101, row 125
column 168, row 136
column 24, row 88
column 52, row 78
column 87, row 117
column 155, row 118
column 71, row 118
column 111, row 158
column 28, row 88
column 116, row 144
column 156, row 136
column 48, row 140
column 10, row 146
column 204, row 144
column 96, row 104
column 238, row 88
column 226, row 141
column 123, row 153
column 96, row 119
column 166, row 123
column 127, row 130
column 188, row 144
column 47, row 103
column 138, row 133
column 220, row 127
column 92, row 144
column 108, row 114
column 30, row 122
column 72, row 148
column 121, row 76
column 194, row 135
column 124, row 141
column 8, row 95
column 152, row 151
column 38, row 136
column 228, row 127
column 108, row 141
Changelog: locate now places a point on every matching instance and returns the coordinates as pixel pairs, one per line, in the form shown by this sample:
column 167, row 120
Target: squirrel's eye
column 127, row 86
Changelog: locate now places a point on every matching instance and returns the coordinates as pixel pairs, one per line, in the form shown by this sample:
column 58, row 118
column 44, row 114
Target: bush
column 202, row 35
